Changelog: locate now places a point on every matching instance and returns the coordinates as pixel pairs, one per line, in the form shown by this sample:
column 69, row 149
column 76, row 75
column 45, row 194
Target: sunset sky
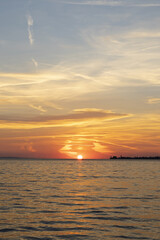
column 79, row 77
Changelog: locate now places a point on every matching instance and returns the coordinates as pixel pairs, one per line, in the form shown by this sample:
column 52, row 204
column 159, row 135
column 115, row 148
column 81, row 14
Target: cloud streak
column 35, row 62
column 30, row 33
column 153, row 100
column 39, row 108
column 96, row 3
column 138, row 49
column 86, row 114
column 114, row 3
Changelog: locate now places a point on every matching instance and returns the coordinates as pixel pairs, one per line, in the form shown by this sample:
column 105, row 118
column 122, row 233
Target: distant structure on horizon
column 145, row 158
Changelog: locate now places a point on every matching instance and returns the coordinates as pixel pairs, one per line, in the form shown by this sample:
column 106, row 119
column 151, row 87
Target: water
column 90, row 200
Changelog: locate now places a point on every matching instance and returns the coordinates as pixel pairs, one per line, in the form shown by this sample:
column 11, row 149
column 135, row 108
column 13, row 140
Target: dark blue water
column 91, row 200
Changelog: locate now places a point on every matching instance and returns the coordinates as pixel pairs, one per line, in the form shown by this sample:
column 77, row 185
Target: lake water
column 90, row 200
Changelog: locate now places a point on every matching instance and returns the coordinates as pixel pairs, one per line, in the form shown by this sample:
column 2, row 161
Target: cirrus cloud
column 153, row 100
column 30, row 24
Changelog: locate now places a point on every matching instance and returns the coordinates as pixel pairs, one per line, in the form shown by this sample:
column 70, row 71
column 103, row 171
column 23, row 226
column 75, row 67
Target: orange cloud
column 153, row 100
column 79, row 116
column 94, row 133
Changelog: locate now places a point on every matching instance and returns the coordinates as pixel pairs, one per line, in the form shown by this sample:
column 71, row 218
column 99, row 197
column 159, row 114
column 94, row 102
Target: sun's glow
column 79, row 157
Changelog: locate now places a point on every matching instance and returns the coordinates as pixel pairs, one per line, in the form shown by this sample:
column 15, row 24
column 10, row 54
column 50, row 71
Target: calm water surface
column 91, row 200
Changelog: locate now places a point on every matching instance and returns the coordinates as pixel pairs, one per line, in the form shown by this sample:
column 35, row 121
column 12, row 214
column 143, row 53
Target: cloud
column 136, row 49
column 30, row 78
column 129, row 136
column 147, row 4
column 114, row 3
column 28, row 146
column 86, row 116
column 35, row 62
column 56, row 83
column 96, row 3
column 153, row 100
column 30, row 24
column 143, row 34
column 10, row 104
column 67, row 149
column 98, row 147
column 39, row 108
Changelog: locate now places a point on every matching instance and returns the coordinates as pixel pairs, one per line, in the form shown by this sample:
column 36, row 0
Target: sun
column 79, row 157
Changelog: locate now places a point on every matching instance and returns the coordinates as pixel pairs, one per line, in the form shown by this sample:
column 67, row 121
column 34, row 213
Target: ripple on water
column 91, row 200
column 37, row 238
column 3, row 230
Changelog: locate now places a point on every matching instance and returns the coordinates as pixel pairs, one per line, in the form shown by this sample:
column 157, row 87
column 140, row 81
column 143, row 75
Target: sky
column 79, row 77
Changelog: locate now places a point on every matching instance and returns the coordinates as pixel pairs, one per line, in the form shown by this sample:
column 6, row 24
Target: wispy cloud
column 30, row 24
column 129, row 136
column 75, row 118
column 114, row 3
column 98, row 147
column 23, row 102
column 67, row 149
column 96, row 3
column 153, row 100
column 39, row 108
column 148, row 4
column 35, row 62
column 138, row 49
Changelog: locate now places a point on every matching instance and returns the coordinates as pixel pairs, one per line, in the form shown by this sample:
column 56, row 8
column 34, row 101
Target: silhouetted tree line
column 137, row 157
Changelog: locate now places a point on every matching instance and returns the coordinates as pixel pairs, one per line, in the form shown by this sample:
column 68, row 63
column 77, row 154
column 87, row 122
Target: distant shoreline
column 135, row 158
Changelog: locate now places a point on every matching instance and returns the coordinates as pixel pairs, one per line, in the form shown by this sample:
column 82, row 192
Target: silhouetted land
column 137, row 157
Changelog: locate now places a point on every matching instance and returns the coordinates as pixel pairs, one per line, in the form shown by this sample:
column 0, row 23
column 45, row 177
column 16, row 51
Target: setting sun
column 79, row 157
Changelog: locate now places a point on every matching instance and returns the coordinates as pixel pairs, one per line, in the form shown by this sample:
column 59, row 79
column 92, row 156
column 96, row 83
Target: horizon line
column 110, row 158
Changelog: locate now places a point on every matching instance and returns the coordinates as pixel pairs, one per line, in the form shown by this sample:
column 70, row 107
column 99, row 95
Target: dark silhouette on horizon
column 136, row 157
